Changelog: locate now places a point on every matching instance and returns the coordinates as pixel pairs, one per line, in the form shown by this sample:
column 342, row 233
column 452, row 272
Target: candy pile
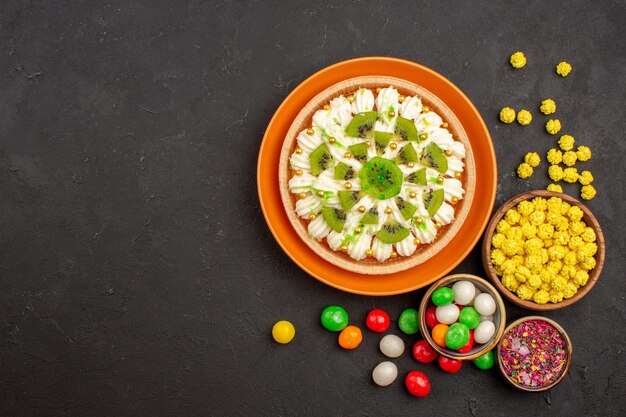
column 543, row 250
column 533, row 354
column 461, row 316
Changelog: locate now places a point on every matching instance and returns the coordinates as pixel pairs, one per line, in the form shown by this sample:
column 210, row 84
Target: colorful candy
column 439, row 334
column 485, row 361
column 422, row 352
column 464, row 292
column 377, row 321
column 334, row 318
column 442, row 296
column 447, row 314
column 469, row 317
column 457, row 336
column 431, row 317
column 417, row 383
column 485, row 304
column 283, row 332
column 450, row 366
column 533, row 353
column 469, row 345
column 484, row 332
column 385, row 373
column 350, row 337
column 408, row 321
column 391, row 346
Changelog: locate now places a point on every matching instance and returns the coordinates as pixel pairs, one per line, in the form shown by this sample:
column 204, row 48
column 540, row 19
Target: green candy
column 334, row 318
column 408, row 321
column 469, row 317
column 442, row 296
column 457, row 336
column 485, row 361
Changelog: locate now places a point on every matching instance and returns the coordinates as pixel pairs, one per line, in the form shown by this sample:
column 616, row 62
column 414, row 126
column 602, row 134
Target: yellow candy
column 540, row 203
column 537, row 217
column 524, row 292
column 577, row 228
column 541, row 297
column 525, row 208
column 512, row 216
column 524, row 117
column 554, row 156
column 518, row 60
column 524, row 170
column 566, row 142
column 532, row 159
column 548, row 106
column 581, row 277
column 507, row 115
column 569, row 158
column 583, row 153
column 587, row 192
column 497, row 257
column 585, row 178
column 553, row 126
column 534, row 282
column 510, row 282
column 555, row 173
column 570, row 175
column 497, row 240
column 554, row 187
column 545, row 231
column 502, row 226
column 283, row 332
column 563, row 68
column 588, row 235
column 575, row 213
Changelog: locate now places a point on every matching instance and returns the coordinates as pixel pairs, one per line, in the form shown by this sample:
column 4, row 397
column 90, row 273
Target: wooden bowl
column 370, row 266
column 499, row 317
column 588, row 218
column 568, row 347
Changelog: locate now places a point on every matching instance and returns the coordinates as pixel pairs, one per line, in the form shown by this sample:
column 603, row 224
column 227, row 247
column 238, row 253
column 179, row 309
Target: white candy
column 484, row 304
column 385, row 373
column 476, row 292
column 391, row 346
column 484, row 318
column 484, row 332
column 447, row 314
column 464, row 292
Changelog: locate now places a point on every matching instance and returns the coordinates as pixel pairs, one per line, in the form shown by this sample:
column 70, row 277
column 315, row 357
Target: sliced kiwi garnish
column 344, row 171
column 407, row 154
column 359, row 151
column 335, row 218
column 405, row 129
column 434, row 157
column 392, row 232
column 371, row 217
column 348, row 199
column 418, row 177
column 362, row 125
column 381, row 178
column 321, row 159
column 382, row 139
column 406, row 209
column 433, row 200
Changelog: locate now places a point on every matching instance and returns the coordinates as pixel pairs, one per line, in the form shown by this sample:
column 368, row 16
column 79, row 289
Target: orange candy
column 439, row 334
column 350, row 337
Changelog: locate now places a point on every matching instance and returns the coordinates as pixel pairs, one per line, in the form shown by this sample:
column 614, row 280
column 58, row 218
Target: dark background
column 137, row 275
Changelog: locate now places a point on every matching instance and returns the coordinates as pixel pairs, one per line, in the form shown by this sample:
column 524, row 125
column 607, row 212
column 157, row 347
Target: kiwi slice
column 406, row 209
column 335, row 218
column 392, row 232
column 407, row 154
column 359, row 151
column 381, row 178
column 362, row 124
column 321, row 159
column 418, row 177
column 434, row 157
column 348, row 198
column 344, row 171
column 371, row 217
column 433, row 200
column 405, row 129
column 382, row 139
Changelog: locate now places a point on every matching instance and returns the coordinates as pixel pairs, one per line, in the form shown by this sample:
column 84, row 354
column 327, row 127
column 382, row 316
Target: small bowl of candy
column 534, row 354
column 543, row 250
column 462, row 317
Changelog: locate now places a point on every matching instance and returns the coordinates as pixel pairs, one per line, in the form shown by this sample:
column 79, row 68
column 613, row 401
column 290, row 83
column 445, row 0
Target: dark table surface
column 138, row 276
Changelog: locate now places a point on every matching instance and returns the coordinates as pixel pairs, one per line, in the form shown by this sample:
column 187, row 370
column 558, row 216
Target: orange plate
column 435, row 267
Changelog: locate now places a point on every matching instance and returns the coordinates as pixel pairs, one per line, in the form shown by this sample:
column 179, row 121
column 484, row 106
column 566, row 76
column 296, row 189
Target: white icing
column 363, row 101
column 382, row 251
column 406, row 246
column 411, row 108
column 318, row 228
column 307, row 206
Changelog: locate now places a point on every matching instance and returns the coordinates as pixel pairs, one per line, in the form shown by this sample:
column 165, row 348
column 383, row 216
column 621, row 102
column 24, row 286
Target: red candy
column 417, row 383
column 377, row 321
column 469, row 345
column 431, row 317
column 423, row 353
column 450, row 366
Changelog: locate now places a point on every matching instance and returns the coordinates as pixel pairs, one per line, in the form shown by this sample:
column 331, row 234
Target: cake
column 376, row 174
